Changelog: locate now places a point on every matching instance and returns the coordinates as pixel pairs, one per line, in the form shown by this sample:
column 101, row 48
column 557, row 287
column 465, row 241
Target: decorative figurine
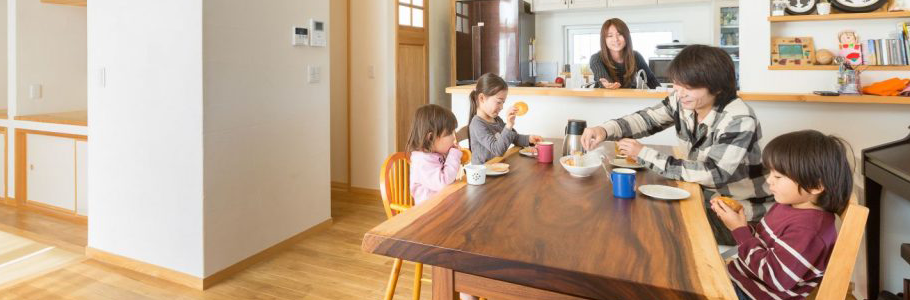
column 850, row 48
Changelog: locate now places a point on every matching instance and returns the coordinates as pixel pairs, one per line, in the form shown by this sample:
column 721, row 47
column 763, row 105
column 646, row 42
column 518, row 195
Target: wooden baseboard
column 363, row 191
column 211, row 280
column 341, row 186
column 226, row 273
column 145, row 268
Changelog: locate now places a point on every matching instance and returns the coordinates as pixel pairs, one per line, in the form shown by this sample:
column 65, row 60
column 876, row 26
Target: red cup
column 545, row 152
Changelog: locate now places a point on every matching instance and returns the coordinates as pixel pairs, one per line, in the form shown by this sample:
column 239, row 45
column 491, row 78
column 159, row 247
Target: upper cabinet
column 556, row 5
column 679, row 1
column 66, row 2
column 624, row 3
column 552, row 5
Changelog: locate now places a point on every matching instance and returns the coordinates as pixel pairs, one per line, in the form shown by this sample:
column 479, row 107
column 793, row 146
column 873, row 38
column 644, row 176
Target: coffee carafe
column 572, row 141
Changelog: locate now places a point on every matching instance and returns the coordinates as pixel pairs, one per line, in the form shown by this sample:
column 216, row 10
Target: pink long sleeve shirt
column 431, row 172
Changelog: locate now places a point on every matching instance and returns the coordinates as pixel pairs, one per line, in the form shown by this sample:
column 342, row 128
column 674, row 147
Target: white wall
column 339, row 89
column 146, row 131
column 51, row 50
column 3, row 52
column 440, row 26
column 696, row 19
column 267, row 146
column 372, row 98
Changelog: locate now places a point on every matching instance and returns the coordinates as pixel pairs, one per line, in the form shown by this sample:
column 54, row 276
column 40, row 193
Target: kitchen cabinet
column 3, row 162
column 679, row 1
column 623, row 3
column 553, row 5
column 51, row 171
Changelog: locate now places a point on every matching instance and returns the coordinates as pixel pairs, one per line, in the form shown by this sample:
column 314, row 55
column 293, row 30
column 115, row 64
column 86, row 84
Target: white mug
column 476, row 174
column 823, row 8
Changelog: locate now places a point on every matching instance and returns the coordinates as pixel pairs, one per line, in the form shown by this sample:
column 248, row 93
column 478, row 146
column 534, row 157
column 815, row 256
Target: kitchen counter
column 78, row 118
column 656, row 94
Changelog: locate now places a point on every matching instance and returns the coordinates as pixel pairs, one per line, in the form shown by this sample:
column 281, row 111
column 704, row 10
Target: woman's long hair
column 627, row 55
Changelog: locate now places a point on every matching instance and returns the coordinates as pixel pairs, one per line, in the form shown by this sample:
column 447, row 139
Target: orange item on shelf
column 890, row 87
column 522, row 108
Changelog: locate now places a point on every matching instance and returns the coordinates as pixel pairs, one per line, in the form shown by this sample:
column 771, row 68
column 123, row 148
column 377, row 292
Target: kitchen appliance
column 572, row 142
column 494, row 36
column 670, row 49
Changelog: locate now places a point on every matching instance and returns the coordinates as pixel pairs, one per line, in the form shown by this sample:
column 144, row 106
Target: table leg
column 444, row 284
column 873, row 196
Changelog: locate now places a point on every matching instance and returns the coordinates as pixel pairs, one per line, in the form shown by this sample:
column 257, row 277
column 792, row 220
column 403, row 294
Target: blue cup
column 623, row 182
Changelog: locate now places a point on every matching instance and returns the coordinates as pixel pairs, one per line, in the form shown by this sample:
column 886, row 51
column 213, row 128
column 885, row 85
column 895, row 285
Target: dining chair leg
column 393, row 280
column 418, row 274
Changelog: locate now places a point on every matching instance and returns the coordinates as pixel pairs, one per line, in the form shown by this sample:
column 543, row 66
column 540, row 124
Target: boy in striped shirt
column 784, row 255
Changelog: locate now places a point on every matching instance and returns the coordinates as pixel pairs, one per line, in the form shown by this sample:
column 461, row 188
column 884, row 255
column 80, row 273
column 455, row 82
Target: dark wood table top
column 538, row 226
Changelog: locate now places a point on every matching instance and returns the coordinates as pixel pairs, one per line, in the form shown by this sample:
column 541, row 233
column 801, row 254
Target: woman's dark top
column 600, row 71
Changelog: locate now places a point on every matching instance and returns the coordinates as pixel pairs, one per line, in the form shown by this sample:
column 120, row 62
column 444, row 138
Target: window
column 410, row 13
column 583, row 41
column 462, row 20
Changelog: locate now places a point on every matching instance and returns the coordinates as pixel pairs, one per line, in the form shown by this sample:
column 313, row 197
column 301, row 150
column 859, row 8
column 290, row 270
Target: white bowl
column 591, row 166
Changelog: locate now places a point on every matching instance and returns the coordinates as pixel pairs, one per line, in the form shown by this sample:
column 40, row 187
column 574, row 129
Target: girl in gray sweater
column 490, row 136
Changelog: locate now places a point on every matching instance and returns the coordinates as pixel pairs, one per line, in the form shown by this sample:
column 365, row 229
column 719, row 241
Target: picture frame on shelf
column 858, row 6
column 792, row 51
column 801, row 7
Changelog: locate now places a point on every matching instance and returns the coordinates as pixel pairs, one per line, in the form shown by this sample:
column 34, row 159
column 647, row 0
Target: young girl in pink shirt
column 435, row 155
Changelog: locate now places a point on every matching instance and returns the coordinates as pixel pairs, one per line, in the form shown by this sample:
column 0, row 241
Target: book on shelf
column 891, row 51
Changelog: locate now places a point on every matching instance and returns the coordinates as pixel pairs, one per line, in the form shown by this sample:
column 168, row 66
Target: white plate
column 664, row 192
column 494, row 173
column 527, row 152
column 622, row 163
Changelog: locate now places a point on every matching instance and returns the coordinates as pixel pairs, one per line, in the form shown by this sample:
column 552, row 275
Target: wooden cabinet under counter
column 51, row 171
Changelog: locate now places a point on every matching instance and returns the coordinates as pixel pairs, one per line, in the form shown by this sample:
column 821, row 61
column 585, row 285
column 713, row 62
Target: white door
column 51, row 170
column 545, row 5
column 587, row 3
column 619, row 3
column 81, row 176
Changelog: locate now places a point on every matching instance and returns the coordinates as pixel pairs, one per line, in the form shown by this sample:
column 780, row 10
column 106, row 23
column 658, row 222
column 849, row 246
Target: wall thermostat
column 301, row 36
column 317, row 36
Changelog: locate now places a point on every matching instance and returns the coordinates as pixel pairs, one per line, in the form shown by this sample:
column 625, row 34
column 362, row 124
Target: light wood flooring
column 327, row 265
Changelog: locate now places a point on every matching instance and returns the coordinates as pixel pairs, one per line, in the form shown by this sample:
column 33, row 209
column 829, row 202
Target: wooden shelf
column 834, row 67
column 78, row 118
column 66, row 2
column 860, row 99
column 841, row 16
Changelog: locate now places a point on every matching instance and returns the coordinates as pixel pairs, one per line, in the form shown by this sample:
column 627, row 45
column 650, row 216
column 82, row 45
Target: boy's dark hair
column 700, row 66
column 814, row 160
column 430, row 121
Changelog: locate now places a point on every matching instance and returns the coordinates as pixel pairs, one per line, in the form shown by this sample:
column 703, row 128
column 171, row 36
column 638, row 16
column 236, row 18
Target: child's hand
column 534, row 139
column 731, row 218
column 510, row 117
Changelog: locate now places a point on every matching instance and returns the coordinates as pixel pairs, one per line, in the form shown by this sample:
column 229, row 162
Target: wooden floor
column 22, row 259
column 327, row 265
column 43, row 228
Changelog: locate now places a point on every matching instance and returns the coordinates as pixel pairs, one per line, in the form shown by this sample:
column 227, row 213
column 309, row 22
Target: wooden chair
column 836, row 282
column 461, row 134
column 394, row 185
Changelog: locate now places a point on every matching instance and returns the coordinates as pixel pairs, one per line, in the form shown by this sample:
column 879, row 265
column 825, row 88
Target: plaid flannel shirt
column 722, row 152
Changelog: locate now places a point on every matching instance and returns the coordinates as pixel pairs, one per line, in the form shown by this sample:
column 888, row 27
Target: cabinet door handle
column 31, row 167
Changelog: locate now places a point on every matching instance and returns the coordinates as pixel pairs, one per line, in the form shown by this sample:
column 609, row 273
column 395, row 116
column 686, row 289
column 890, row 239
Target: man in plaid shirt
column 718, row 131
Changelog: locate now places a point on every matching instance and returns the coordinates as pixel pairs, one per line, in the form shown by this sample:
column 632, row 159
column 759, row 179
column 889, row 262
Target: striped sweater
column 785, row 255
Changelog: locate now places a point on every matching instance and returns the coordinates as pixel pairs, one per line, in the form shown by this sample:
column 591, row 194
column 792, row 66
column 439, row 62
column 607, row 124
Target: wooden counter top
column 640, row 94
column 78, row 118
column 563, row 92
column 4, row 114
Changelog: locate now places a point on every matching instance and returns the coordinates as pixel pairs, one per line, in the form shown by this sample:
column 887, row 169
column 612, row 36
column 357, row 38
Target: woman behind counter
column 616, row 64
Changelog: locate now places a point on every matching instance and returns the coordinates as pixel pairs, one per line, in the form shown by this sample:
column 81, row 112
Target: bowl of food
column 583, row 168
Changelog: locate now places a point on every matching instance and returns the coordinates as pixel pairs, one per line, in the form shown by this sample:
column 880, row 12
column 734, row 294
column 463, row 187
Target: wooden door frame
column 426, row 36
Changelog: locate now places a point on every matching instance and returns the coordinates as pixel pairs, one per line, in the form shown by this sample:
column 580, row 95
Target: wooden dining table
column 539, row 233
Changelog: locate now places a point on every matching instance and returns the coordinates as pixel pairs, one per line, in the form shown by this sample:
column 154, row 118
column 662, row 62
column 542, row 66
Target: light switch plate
column 313, row 74
column 34, row 91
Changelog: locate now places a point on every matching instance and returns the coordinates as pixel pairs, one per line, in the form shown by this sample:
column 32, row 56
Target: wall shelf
column 66, row 2
column 860, row 99
column 841, row 16
column 834, row 67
